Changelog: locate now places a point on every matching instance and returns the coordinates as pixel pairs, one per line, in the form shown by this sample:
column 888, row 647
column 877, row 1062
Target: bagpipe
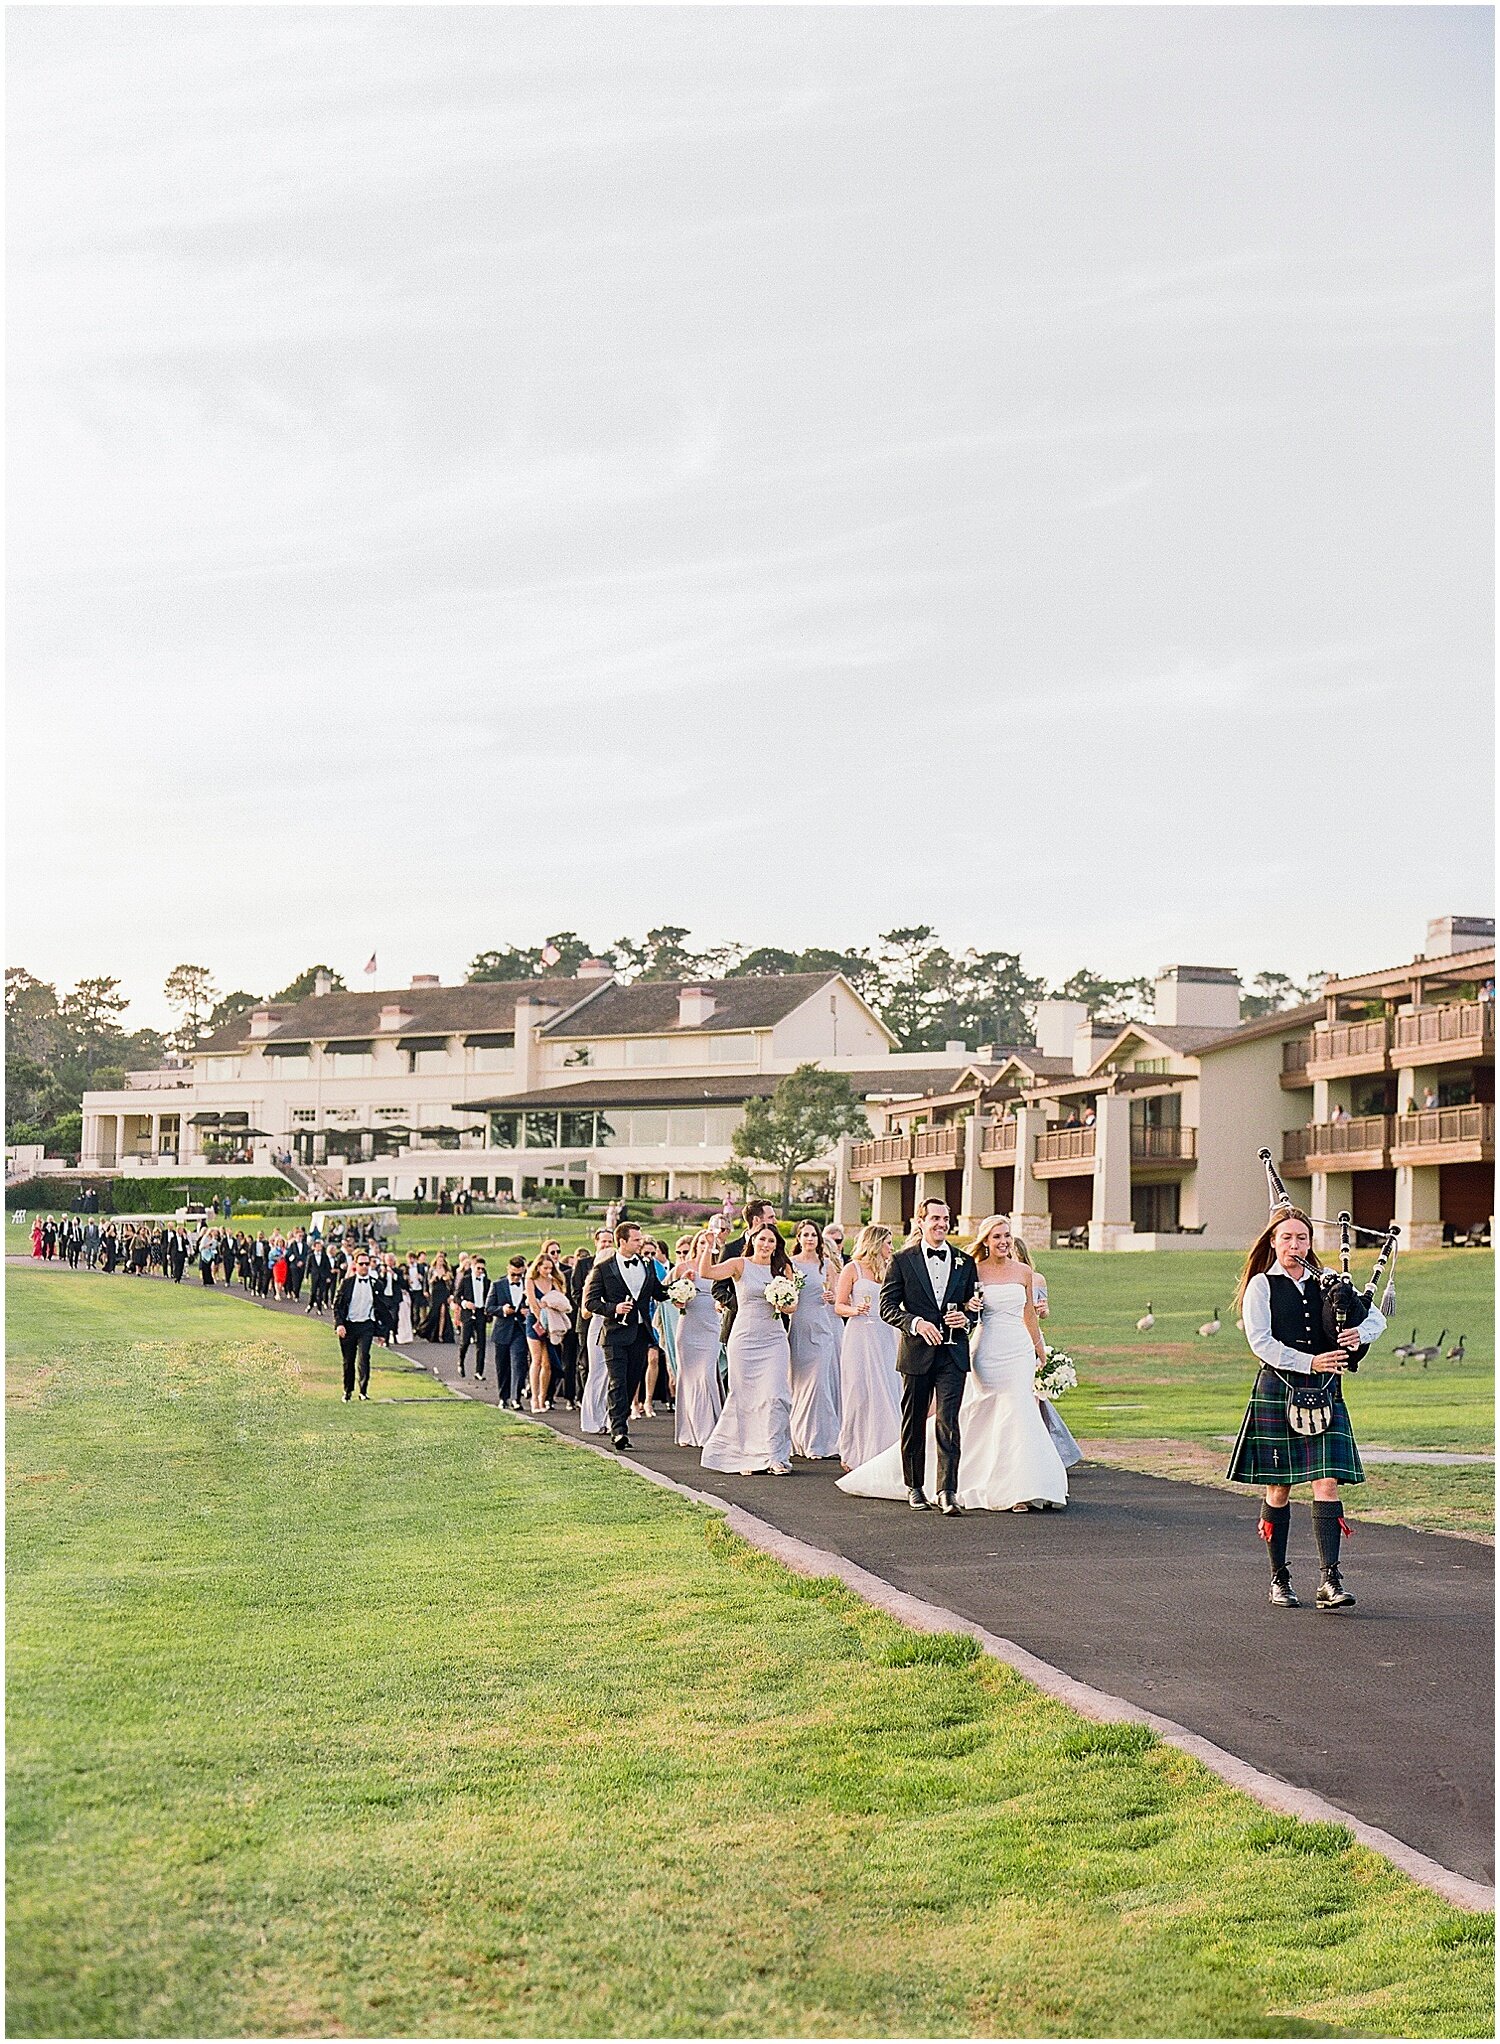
column 1344, row 1305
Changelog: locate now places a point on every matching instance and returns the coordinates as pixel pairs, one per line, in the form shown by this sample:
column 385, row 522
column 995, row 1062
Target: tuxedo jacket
column 908, row 1295
column 498, row 1298
column 606, row 1288
column 345, row 1294
column 471, row 1292
column 578, row 1278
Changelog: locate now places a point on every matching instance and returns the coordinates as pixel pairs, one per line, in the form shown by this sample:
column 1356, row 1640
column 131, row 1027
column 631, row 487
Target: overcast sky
column 792, row 473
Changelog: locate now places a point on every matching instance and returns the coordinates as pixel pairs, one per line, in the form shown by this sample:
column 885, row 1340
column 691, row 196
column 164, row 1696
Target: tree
column 808, row 1112
column 1275, row 991
column 903, row 984
column 663, row 955
column 231, row 1007
column 490, row 968
column 858, row 967
column 1109, row 1000
column 32, row 1023
column 296, row 990
column 190, row 989
column 91, row 1017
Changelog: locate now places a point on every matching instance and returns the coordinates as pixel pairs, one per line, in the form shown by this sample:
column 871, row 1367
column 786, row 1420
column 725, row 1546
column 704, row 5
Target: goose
column 1406, row 1348
column 1211, row 1326
column 1147, row 1320
column 1456, row 1353
column 1426, row 1355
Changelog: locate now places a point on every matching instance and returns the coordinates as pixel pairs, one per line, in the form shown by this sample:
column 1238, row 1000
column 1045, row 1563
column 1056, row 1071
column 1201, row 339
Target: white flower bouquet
column 1056, row 1374
column 781, row 1292
column 682, row 1291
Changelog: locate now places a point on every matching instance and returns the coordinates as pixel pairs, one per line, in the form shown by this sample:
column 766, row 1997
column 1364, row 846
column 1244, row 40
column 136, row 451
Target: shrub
column 683, row 1210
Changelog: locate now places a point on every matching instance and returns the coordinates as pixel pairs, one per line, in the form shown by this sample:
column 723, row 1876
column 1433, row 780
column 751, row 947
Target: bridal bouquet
column 682, row 1292
column 1056, row 1375
column 781, row 1292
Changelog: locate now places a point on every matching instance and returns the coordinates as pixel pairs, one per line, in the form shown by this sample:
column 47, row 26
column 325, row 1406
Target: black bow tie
column 938, row 1255
column 632, row 1263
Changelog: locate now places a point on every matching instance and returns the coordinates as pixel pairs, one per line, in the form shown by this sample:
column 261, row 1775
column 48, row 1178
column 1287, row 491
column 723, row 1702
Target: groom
column 926, row 1294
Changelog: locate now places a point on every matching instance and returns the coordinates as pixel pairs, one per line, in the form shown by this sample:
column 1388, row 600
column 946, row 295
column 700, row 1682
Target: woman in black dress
column 438, row 1324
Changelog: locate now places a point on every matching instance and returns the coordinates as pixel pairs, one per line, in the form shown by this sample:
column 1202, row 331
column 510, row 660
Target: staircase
column 308, row 1181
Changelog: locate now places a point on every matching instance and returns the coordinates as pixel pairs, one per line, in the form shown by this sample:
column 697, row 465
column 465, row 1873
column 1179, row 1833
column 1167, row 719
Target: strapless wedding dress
column 1006, row 1455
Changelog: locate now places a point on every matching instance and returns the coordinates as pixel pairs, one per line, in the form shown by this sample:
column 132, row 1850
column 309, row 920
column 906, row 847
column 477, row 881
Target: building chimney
column 1197, row 997
column 263, row 1021
column 530, row 1015
column 1447, row 935
column 955, row 1047
column 595, row 968
column 1057, row 1023
column 425, row 979
column 1089, row 1039
column 322, row 984
column 694, row 1006
column 393, row 1016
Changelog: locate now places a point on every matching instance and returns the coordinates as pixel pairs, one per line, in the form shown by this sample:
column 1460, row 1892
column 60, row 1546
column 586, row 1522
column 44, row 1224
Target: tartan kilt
column 1267, row 1450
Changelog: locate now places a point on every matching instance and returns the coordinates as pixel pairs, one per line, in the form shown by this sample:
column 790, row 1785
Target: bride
column 1007, row 1461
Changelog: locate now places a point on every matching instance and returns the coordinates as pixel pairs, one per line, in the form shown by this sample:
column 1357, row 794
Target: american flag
column 370, row 968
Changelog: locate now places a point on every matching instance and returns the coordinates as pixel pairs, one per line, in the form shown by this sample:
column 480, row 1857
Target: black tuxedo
column 508, row 1338
column 473, row 1321
column 357, row 1335
column 320, row 1278
column 627, row 1337
column 930, row 1377
column 388, row 1303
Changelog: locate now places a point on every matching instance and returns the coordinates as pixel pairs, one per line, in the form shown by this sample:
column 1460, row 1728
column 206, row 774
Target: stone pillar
column 1111, row 1217
column 846, row 1200
column 978, row 1199
column 1331, row 1193
column 1031, row 1214
column 119, row 1122
column 932, row 1185
column 1419, row 1211
column 885, row 1203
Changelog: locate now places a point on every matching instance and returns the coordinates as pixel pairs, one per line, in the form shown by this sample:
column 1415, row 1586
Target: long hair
column 819, row 1251
column 781, row 1263
column 873, row 1245
column 1262, row 1254
column 1019, row 1250
column 544, row 1256
column 985, row 1229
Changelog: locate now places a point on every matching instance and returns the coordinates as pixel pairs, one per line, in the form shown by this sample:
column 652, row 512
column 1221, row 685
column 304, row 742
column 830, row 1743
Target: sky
column 791, row 473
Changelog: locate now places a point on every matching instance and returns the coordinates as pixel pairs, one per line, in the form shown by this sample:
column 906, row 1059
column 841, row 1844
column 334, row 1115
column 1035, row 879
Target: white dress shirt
column 362, row 1300
column 1257, row 1318
column 633, row 1270
column 939, row 1270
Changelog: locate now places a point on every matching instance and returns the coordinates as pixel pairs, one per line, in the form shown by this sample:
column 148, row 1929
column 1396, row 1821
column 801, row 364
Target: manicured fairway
column 405, row 1718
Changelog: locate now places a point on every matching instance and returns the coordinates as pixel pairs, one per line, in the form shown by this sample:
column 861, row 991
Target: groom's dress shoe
column 623, row 1441
column 949, row 1505
column 918, row 1501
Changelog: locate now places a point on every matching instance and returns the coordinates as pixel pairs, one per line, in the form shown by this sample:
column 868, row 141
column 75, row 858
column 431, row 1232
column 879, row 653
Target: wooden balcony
column 1163, row 1146
column 997, row 1142
column 1064, row 1153
column 937, row 1149
column 1360, row 1144
column 882, row 1157
column 1446, row 1135
column 1294, row 1057
column 1349, row 1049
column 1461, row 1032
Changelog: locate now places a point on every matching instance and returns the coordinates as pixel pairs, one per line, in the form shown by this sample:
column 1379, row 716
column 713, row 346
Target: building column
column 1419, row 1208
column 846, row 1200
column 119, row 1121
column 978, row 1200
column 1331, row 1193
column 1111, row 1217
column 156, row 1135
column 885, row 1202
column 933, row 1185
column 1031, row 1210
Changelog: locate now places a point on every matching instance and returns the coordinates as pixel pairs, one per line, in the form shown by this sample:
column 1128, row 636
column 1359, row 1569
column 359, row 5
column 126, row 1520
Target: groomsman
column 621, row 1289
column 177, row 1249
column 505, row 1303
column 356, row 1324
column 926, row 1296
column 319, row 1277
column 473, row 1322
column 390, row 1285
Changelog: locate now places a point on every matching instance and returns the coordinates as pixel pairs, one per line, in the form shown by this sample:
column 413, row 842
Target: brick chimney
column 263, row 1021
column 595, row 968
column 425, row 979
column 694, row 1006
column 322, row 984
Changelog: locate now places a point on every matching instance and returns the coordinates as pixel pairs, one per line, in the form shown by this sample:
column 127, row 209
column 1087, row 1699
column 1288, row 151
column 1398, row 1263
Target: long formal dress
column 593, row 1417
column 815, row 1368
column 1006, row 1456
column 699, row 1401
column 404, row 1329
column 870, row 1384
column 754, row 1431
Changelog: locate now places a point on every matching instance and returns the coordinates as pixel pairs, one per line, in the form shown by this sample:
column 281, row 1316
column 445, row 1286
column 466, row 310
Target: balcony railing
column 1163, row 1145
column 1463, row 1025
column 1344, row 1043
column 881, row 1154
column 937, row 1149
column 1063, row 1145
column 997, row 1139
column 1363, row 1136
column 1294, row 1055
column 1446, row 1127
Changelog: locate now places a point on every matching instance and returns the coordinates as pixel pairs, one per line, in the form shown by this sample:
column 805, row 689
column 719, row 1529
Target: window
column 504, row 1130
column 216, row 1068
column 649, row 1128
column 286, row 1064
column 343, row 1114
column 494, row 1057
column 427, row 1060
column 721, row 1125
column 732, row 1050
column 1152, row 1064
column 607, row 1129
column 356, row 1188
column 304, row 1115
column 351, row 1064
column 578, row 1129
column 686, row 1128
column 392, row 1113
column 541, row 1130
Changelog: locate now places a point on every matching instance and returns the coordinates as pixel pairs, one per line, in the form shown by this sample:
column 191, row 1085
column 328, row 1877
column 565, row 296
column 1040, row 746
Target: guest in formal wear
column 725, row 1289
column 473, row 1321
column 548, row 1311
column 753, row 1433
column 927, row 1298
column 699, row 1398
column 593, row 1416
column 621, row 1291
column 507, row 1311
column 869, row 1382
column 356, row 1324
column 815, row 1349
column 438, row 1326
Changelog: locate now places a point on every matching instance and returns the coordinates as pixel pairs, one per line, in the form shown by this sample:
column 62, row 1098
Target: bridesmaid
column 870, row 1382
column 699, row 1400
column 815, row 1351
column 438, row 1326
column 547, row 1310
column 754, row 1431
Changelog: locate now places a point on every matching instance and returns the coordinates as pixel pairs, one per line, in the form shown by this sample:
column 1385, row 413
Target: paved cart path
column 1154, row 1590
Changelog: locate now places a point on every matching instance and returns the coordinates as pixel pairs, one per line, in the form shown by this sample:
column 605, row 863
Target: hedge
column 140, row 1195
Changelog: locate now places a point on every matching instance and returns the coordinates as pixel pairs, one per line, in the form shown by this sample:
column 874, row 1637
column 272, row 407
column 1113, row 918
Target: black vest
column 1297, row 1314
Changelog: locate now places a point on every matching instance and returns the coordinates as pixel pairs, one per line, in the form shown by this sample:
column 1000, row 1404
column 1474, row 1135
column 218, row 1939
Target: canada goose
column 1211, row 1326
column 1405, row 1348
column 1147, row 1320
column 1456, row 1353
column 1426, row 1355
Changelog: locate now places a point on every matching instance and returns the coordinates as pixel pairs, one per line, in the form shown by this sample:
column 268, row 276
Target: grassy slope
column 409, row 1719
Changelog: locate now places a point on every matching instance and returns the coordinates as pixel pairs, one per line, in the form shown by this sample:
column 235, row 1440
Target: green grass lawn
column 410, row 1719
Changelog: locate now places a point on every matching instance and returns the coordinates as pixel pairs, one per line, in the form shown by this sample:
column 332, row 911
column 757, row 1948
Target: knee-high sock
column 1275, row 1525
column 1328, row 1524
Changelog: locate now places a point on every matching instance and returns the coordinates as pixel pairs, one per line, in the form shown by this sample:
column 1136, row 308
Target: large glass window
column 607, row 1128
column 504, row 1129
column 732, row 1050
column 649, row 1128
column 493, row 1057
column 686, row 1128
column 541, row 1130
column 578, row 1129
column 351, row 1064
column 722, row 1123
column 428, row 1060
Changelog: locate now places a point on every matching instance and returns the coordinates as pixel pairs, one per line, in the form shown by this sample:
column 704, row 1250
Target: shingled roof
column 711, row 1088
column 648, row 1007
column 434, row 1011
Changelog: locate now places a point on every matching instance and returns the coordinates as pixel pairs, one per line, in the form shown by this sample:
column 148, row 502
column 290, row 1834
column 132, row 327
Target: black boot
column 1275, row 1525
column 1328, row 1525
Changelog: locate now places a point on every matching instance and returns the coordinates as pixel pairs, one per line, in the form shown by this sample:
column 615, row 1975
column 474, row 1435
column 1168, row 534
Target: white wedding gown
column 1006, row 1456
column 593, row 1418
column 754, row 1430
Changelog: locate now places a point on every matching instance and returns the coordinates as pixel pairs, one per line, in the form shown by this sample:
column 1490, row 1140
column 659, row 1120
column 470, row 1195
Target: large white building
column 612, row 1089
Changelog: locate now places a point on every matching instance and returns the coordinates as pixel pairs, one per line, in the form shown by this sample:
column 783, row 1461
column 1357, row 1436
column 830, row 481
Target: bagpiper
column 1306, row 1327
